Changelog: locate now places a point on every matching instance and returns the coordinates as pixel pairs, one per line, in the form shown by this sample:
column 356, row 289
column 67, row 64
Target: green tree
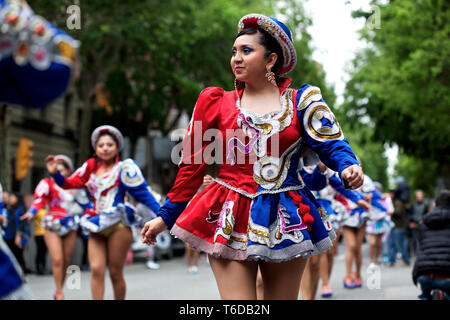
column 151, row 56
column 400, row 81
column 421, row 173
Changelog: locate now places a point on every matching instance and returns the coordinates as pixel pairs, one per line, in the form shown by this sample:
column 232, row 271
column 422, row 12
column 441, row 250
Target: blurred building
column 53, row 130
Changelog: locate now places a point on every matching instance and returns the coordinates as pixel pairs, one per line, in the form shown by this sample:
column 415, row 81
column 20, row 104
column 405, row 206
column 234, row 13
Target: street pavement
column 173, row 282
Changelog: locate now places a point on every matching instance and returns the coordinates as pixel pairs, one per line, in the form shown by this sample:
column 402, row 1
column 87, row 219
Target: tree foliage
column 142, row 60
column 400, row 81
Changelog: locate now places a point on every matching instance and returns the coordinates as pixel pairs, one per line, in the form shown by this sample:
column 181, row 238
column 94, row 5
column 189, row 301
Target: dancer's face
column 106, row 148
column 248, row 60
column 62, row 169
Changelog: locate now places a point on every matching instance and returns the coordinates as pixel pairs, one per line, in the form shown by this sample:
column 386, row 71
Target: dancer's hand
column 28, row 216
column 151, row 230
column 363, row 204
column 207, row 180
column 322, row 167
column 352, row 177
column 51, row 164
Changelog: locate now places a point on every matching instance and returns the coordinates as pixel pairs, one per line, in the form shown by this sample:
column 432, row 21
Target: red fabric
column 216, row 109
column 201, row 216
column 46, row 195
column 303, row 209
column 79, row 178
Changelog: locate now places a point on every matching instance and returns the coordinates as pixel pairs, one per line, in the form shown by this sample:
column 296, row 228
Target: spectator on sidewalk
column 418, row 209
column 16, row 231
column 432, row 266
column 398, row 241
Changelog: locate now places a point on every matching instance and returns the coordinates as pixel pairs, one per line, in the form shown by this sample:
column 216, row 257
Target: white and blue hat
column 107, row 129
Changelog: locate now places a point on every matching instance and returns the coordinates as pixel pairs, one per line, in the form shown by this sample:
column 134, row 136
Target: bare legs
column 60, row 249
column 111, row 251
column 326, row 263
column 310, row 281
column 353, row 238
column 192, row 257
column 375, row 247
column 237, row 280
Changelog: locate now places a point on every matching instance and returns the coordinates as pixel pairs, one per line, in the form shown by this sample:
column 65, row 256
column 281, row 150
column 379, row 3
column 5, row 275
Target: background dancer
column 64, row 209
column 107, row 180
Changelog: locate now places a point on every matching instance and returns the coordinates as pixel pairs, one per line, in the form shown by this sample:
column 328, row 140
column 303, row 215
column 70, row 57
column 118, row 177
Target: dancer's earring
column 270, row 76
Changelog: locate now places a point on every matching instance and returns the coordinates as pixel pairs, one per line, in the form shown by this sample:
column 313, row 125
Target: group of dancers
column 259, row 222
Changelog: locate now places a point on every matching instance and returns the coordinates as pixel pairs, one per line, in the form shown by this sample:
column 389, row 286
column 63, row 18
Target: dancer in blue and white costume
column 353, row 228
column 321, row 266
column 108, row 180
column 379, row 221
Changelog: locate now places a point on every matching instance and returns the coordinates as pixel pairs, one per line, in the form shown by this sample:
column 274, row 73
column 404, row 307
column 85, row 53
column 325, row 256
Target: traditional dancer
column 108, row 180
column 321, row 266
column 257, row 212
column 354, row 225
column 64, row 210
column 379, row 221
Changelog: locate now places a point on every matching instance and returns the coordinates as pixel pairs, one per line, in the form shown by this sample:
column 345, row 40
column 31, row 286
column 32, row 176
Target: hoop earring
column 270, row 76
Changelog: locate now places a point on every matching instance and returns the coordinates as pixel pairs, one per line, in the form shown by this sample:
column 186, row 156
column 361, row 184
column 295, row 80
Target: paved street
column 172, row 282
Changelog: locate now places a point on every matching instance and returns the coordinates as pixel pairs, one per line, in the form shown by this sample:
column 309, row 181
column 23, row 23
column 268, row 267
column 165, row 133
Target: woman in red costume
column 258, row 211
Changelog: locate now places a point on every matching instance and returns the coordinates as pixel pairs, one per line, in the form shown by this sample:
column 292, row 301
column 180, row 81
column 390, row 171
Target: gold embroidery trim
column 318, row 134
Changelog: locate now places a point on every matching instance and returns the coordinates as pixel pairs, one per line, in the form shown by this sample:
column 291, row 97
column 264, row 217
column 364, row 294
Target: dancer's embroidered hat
column 66, row 160
column 107, row 129
column 279, row 31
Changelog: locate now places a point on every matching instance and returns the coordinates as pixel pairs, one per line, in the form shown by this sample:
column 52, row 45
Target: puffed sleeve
column 41, row 196
column 192, row 166
column 36, row 58
column 132, row 179
column 322, row 131
column 79, row 178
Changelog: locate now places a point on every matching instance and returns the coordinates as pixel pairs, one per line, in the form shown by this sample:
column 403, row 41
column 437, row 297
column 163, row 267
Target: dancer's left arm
column 324, row 135
column 132, row 178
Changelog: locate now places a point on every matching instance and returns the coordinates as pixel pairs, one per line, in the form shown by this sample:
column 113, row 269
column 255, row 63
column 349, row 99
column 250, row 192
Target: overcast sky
column 335, row 40
column 335, row 37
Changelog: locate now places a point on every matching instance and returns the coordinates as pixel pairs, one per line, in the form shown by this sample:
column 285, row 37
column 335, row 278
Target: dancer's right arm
column 77, row 180
column 192, row 167
column 41, row 199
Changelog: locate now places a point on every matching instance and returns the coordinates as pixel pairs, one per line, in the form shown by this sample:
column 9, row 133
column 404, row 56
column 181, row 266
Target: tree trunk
column 85, row 131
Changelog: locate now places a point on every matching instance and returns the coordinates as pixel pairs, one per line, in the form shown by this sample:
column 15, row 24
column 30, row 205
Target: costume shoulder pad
column 130, row 174
column 308, row 95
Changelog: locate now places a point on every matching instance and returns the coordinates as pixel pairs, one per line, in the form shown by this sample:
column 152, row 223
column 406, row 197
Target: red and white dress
column 258, row 207
column 64, row 207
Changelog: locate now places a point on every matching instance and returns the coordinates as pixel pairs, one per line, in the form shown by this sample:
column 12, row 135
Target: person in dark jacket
column 432, row 267
column 418, row 210
column 16, row 231
column 398, row 242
